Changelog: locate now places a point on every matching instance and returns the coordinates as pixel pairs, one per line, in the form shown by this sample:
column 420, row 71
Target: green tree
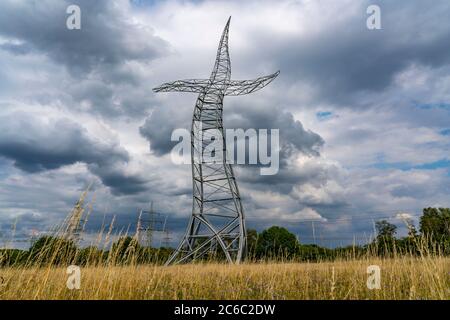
column 385, row 237
column 53, row 250
column 90, row 256
column 276, row 242
column 385, row 230
column 12, row 257
column 435, row 223
column 125, row 250
column 313, row 252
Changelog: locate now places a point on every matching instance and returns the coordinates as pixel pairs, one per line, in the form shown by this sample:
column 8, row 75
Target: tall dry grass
column 119, row 274
column 401, row 278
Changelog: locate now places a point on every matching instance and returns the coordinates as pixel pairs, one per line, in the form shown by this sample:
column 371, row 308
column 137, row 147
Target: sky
column 364, row 115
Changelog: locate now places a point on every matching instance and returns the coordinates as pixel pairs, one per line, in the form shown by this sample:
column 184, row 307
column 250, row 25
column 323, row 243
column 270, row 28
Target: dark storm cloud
column 293, row 136
column 345, row 58
column 105, row 58
column 17, row 49
column 158, row 128
column 34, row 145
column 288, row 176
column 124, row 97
column 294, row 140
column 106, row 36
column 119, row 182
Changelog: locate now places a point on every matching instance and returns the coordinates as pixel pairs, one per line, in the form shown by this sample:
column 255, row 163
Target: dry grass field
column 401, row 278
column 422, row 272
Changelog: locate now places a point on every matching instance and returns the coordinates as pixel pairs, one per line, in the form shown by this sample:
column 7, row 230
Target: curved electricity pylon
column 217, row 222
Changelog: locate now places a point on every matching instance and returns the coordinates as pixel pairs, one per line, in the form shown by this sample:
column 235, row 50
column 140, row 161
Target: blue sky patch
column 144, row 2
column 323, row 115
column 405, row 166
column 445, row 132
column 429, row 106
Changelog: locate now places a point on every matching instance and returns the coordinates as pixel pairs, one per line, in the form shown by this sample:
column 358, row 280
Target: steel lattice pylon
column 217, row 222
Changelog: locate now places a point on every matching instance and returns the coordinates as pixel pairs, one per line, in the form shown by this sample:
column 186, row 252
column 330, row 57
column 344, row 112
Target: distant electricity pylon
column 147, row 226
column 217, row 221
column 166, row 238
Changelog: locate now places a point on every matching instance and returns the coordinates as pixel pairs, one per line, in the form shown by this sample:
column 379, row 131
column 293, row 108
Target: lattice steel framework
column 217, row 223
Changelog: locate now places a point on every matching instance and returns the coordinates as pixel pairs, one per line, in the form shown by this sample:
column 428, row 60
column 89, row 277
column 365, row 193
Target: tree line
column 274, row 243
column 433, row 236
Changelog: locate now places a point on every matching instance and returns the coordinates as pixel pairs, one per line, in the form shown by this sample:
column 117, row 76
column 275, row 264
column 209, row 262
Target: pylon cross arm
column 189, row 85
column 232, row 87
column 241, row 87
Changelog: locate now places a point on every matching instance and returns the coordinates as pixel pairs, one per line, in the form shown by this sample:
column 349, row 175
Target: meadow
column 401, row 278
column 415, row 267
